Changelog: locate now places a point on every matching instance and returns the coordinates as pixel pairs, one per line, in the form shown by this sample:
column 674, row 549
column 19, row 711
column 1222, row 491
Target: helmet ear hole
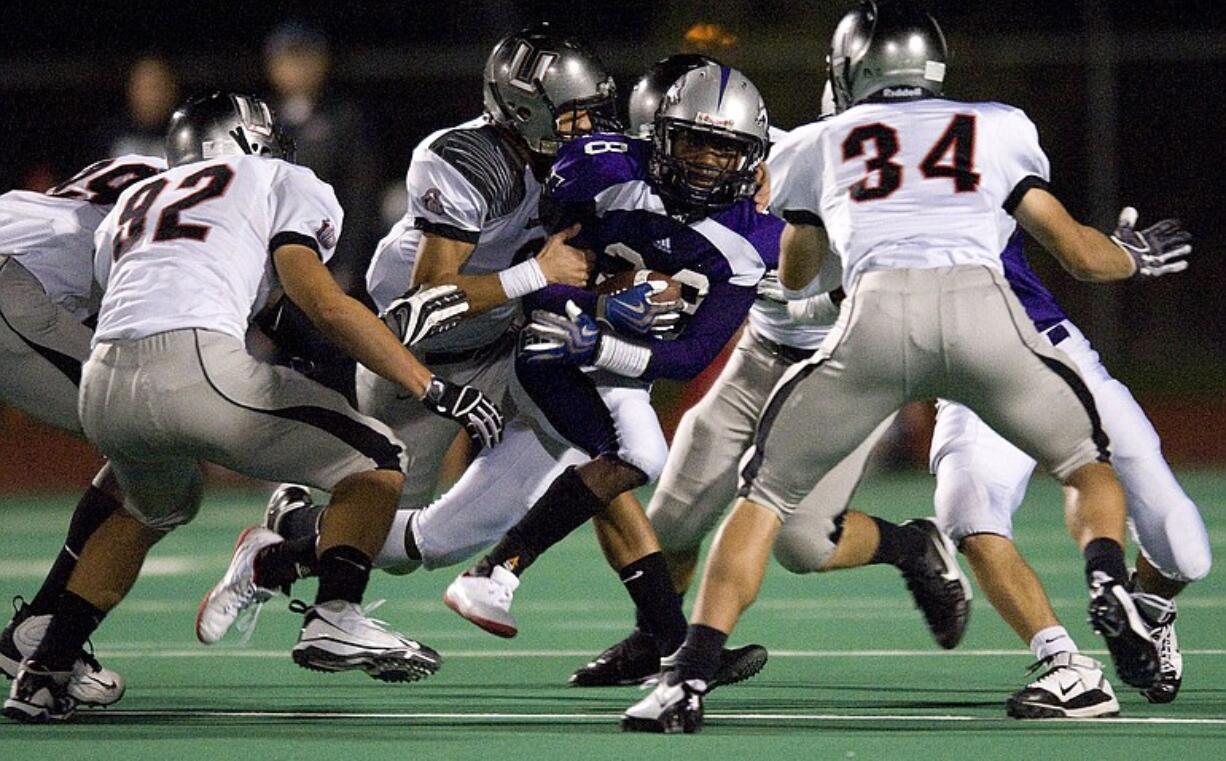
column 523, row 114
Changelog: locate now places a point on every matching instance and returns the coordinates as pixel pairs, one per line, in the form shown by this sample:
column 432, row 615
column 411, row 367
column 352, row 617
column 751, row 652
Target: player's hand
column 762, row 196
column 423, row 313
column 770, row 288
column 468, row 407
column 553, row 338
column 563, row 264
column 635, row 312
column 1157, row 250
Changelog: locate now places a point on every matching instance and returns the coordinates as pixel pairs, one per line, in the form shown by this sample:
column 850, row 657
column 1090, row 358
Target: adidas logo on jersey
column 664, row 244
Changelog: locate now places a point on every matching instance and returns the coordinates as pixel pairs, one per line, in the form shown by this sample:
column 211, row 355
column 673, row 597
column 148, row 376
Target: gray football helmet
column 534, row 78
column 716, row 112
column 225, row 124
column 649, row 90
column 886, row 50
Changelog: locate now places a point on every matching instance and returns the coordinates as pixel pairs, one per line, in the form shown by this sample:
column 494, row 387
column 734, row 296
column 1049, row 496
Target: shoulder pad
column 589, row 165
column 485, row 160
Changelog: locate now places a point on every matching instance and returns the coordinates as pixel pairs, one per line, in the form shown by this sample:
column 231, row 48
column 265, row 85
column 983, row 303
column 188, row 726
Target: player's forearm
column 362, row 335
column 1091, row 256
column 801, row 251
column 484, row 292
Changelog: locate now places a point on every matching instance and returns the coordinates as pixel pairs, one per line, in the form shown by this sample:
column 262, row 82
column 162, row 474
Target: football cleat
column 38, row 696
column 485, row 600
column 1072, row 686
column 938, row 586
column 636, row 660
column 238, row 595
column 1159, row 613
column 1114, row 615
column 670, row 708
column 339, row 636
column 91, row 683
column 287, row 499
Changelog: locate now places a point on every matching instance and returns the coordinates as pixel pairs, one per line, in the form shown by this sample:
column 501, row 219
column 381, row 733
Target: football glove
column 425, row 312
column 634, row 312
column 1158, row 249
column 468, row 407
column 551, row 337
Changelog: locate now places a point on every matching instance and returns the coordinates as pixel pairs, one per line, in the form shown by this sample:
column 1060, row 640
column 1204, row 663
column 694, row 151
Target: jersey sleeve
column 1021, row 162
column 304, row 212
column 795, row 170
column 715, row 322
column 104, row 237
column 442, row 201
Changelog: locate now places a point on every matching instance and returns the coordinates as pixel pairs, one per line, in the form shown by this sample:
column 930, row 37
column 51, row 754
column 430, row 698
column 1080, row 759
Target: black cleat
column 669, row 709
column 1159, row 613
column 1114, row 615
column 10, row 653
column 938, row 586
column 634, row 660
column 737, row 665
column 286, row 500
column 39, row 696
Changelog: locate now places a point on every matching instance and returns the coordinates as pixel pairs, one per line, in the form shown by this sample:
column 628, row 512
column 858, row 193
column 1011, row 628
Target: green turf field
column 852, row 673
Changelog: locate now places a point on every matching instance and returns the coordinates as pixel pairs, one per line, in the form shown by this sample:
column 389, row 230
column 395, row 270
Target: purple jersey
column 601, row 181
column 1041, row 306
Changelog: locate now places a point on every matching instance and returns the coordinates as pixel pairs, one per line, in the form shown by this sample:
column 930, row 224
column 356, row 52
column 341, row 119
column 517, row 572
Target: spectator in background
column 332, row 137
column 152, row 93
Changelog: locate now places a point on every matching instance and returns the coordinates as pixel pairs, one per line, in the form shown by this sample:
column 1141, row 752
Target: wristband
column 820, row 309
column 622, row 357
column 522, row 279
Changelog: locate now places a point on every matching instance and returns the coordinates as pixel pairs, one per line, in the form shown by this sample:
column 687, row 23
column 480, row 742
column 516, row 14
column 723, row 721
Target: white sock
column 1052, row 640
column 394, row 553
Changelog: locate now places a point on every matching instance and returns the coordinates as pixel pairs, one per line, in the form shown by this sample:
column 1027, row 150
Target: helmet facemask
column 704, row 166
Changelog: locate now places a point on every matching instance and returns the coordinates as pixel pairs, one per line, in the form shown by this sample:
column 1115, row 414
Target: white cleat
column 1072, row 686
column 237, row 594
column 669, row 708
column 91, row 684
column 485, row 600
column 39, row 697
column 339, row 636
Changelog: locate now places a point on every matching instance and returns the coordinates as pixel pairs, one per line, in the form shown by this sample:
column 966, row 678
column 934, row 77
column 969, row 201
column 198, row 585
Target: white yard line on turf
column 144, row 650
column 602, row 718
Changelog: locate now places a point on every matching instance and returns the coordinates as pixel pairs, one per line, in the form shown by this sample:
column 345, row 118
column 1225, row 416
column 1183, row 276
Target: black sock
column 343, row 574
column 280, row 565
column 699, row 656
column 657, row 604
column 94, row 507
column 73, row 620
column 899, row 544
column 564, row 507
column 1105, row 555
column 301, row 523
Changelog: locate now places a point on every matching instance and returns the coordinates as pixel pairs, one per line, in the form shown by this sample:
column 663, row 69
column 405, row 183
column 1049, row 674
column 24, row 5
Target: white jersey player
column 918, row 197
column 473, row 220
column 186, row 258
column 48, row 298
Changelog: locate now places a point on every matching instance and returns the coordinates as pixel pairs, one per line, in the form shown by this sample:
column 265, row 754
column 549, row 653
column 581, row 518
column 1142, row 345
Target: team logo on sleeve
column 432, row 199
column 326, row 234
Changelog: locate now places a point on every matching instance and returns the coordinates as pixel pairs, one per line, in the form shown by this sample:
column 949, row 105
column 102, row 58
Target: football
column 623, row 280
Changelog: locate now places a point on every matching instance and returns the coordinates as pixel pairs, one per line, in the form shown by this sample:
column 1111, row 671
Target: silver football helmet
column 649, row 90
column 711, row 133
column 542, row 85
column 886, row 50
column 225, row 124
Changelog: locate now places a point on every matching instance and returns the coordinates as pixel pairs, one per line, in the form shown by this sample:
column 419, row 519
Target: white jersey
column 191, row 247
column 918, row 184
column 465, row 183
column 53, row 232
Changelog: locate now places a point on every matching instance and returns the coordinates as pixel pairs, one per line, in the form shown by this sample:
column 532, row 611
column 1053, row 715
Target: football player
column 48, row 301
column 699, row 478
column 185, row 258
column 918, row 196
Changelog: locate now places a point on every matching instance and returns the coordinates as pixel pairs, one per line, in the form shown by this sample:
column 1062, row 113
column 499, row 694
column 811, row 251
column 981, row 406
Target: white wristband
column 522, row 279
column 815, row 310
column 622, row 357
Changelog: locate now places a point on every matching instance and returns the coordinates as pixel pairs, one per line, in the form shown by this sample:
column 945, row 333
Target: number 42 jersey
column 919, row 184
column 191, row 248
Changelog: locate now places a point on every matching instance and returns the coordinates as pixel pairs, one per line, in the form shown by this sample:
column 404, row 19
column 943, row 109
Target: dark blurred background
column 1129, row 98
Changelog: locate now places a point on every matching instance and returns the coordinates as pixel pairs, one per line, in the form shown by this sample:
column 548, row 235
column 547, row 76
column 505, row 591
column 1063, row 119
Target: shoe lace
column 87, row 656
column 250, row 602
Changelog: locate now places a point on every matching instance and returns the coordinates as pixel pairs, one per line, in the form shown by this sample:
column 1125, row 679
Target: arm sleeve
column 1022, row 163
column 442, row 201
column 795, row 177
column 304, row 212
column 717, row 319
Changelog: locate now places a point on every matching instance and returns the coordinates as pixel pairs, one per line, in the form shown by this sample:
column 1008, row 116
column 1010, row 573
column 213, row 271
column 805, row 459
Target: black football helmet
column 886, row 50
column 649, row 90
column 225, row 124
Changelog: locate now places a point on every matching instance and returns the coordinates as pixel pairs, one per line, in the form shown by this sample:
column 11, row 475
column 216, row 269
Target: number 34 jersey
column 191, row 248
column 919, row 184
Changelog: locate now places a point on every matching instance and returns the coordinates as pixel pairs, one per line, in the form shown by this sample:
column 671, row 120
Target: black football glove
column 424, row 313
column 1158, row 250
column 468, row 407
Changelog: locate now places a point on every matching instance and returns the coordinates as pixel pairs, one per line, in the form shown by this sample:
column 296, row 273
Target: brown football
column 623, row 280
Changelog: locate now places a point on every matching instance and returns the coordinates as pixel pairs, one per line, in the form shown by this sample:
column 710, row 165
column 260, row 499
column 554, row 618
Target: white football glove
column 424, row 313
column 1158, row 250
